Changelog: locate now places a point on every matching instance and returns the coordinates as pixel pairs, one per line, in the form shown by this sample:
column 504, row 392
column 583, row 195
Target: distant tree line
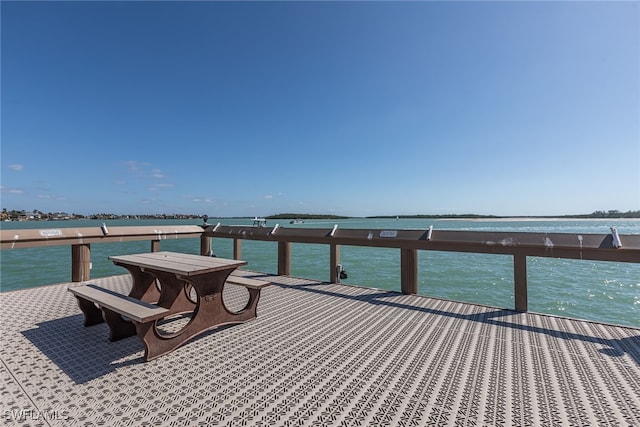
column 596, row 214
column 609, row 214
column 304, row 216
column 446, row 216
column 37, row 215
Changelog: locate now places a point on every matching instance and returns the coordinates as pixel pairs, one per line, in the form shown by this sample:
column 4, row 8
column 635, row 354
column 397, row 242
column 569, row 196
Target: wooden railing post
column 155, row 245
column 409, row 271
column 205, row 245
column 80, row 262
column 284, row 258
column 520, row 281
column 237, row 248
column 334, row 260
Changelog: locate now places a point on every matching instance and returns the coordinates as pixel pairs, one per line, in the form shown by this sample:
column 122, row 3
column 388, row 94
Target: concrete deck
column 320, row 355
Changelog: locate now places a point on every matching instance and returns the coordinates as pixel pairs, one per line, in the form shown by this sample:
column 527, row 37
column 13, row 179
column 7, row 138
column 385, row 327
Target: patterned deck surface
column 320, row 355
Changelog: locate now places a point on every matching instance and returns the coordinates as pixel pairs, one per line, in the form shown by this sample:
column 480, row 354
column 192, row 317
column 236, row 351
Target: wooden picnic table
column 167, row 284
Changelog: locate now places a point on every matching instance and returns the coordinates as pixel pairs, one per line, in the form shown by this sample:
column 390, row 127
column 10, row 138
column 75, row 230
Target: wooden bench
column 112, row 305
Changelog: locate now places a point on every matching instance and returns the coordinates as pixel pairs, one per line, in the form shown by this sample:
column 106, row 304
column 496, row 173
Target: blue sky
column 350, row 108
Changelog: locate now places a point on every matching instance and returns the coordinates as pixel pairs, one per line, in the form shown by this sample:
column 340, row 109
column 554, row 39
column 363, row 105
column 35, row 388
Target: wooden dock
column 320, row 354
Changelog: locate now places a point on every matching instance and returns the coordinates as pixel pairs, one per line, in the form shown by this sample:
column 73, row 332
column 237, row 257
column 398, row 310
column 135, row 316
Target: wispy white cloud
column 205, row 200
column 156, row 173
column 273, row 195
column 16, row 167
column 143, row 168
column 198, row 199
column 150, row 199
column 8, row 190
column 160, row 186
column 50, row 197
column 137, row 171
column 136, row 166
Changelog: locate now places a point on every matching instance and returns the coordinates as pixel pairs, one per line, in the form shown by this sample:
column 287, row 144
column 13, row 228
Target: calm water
column 601, row 291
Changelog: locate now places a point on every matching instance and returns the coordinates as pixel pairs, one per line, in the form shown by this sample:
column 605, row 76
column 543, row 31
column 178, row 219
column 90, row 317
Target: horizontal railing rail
column 597, row 247
column 520, row 245
column 28, row 238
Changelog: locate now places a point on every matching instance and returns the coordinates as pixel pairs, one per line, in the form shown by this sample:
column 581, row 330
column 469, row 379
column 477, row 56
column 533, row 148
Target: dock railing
column 80, row 240
column 520, row 245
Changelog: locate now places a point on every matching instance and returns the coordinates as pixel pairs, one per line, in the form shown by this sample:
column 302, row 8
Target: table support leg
column 144, row 284
column 209, row 313
column 174, row 293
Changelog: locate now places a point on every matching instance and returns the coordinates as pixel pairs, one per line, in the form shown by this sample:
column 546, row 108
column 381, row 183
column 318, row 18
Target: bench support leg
column 92, row 314
column 118, row 327
column 251, row 309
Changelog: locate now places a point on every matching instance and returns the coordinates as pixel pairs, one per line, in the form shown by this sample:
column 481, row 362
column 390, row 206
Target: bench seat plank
column 132, row 308
column 247, row 282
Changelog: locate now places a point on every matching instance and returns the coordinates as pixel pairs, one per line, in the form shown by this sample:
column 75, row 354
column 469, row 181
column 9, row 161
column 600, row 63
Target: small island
column 301, row 216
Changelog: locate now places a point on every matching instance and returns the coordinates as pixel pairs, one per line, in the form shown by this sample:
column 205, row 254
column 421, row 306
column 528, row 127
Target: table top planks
column 177, row 263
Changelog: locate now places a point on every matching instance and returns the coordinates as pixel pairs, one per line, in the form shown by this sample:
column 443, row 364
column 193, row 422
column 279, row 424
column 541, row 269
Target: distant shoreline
column 39, row 216
column 612, row 214
column 538, row 218
column 503, row 218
